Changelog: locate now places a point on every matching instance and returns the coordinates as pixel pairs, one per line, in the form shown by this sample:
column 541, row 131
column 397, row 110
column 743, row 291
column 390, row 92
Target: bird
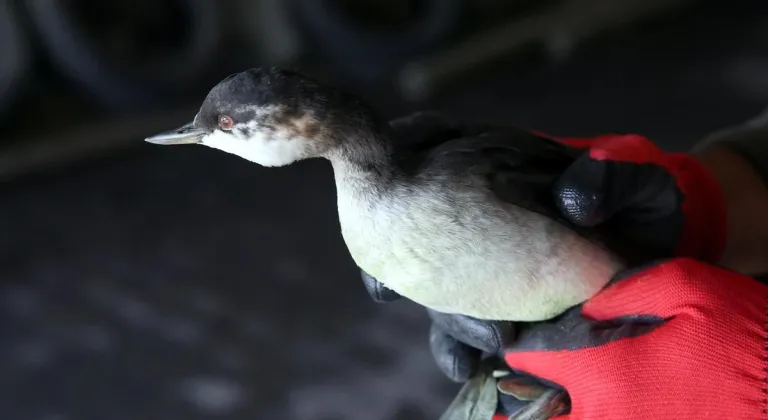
column 458, row 217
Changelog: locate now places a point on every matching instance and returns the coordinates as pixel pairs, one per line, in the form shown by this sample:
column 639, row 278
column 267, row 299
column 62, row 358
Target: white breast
column 457, row 253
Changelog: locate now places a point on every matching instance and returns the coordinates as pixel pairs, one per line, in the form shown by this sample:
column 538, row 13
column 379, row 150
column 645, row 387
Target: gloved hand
column 666, row 202
column 678, row 340
column 663, row 201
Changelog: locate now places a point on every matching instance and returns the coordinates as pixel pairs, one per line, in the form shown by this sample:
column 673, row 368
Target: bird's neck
column 363, row 166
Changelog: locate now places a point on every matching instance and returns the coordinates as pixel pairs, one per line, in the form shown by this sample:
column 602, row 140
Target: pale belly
column 504, row 265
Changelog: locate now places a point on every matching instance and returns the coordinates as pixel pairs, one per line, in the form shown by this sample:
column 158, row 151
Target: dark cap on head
column 242, row 95
column 273, row 100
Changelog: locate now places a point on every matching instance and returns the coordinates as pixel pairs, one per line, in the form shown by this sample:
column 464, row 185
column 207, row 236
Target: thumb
column 610, row 177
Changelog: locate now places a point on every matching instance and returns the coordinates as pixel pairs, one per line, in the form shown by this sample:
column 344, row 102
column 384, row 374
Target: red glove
column 680, row 340
column 666, row 201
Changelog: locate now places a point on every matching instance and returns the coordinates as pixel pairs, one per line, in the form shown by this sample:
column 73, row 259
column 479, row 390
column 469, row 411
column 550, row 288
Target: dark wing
column 519, row 167
column 415, row 135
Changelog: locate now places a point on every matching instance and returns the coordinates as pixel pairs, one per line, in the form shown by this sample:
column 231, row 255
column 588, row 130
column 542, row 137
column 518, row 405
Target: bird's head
column 272, row 117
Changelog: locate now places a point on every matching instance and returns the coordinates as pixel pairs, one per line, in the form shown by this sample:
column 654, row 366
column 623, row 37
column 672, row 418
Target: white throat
column 270, row 149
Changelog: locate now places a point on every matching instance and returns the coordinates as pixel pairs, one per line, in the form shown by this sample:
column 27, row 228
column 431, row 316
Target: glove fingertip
column 487, row 336
column 455, row 359
column 579, row 193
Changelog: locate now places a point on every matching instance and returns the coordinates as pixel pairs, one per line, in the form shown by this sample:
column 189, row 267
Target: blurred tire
column 130, row 82
column 366, row 55
column 16, row 58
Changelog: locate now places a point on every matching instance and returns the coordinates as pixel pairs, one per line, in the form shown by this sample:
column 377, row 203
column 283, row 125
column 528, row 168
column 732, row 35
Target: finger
column 640, row 202
column 579, row 193
column 456, row 360
column 572, row 331
column 629, row 307
column 619, row 171
column 549, row 351
column 665, row 201
column 378, row 292
column 489, row 336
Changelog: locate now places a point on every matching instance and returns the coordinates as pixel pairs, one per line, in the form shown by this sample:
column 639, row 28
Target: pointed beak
column 186, row 134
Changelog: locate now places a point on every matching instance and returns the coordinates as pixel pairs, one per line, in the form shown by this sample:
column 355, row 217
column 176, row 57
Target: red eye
column 225, row 122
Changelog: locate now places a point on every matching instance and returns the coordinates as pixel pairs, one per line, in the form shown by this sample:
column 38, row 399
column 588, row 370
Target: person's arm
column 738, row 159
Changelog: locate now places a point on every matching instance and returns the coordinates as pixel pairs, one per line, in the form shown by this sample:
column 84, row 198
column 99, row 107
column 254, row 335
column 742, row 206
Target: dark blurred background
column 143, row 282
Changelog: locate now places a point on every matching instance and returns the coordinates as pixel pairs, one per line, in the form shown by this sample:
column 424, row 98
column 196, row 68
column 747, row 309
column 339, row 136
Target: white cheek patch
column 264, row 149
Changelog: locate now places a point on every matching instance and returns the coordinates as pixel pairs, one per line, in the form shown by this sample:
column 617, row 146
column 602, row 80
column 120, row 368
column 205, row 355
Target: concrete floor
column 189, row 284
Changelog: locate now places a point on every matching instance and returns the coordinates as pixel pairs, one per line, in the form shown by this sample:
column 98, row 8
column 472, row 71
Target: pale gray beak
column 186, row 134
